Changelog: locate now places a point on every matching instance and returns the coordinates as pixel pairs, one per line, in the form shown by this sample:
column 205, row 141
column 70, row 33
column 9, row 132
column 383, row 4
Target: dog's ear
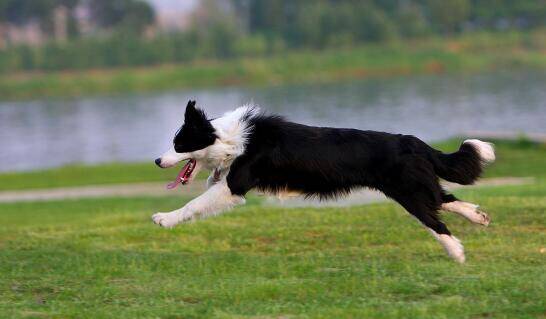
column 191, row 111
column 190, row 107
column 194, row 114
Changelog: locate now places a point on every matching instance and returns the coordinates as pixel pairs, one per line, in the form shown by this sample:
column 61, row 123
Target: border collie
column 247, row 149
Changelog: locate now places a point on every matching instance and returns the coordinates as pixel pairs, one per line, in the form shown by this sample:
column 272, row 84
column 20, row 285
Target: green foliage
column 466, row 53
column 447, row 16
column 130, row 15
column 251, row 46
column 251, row 28
column 326, row 23
column 411, row 21
column 508, row 13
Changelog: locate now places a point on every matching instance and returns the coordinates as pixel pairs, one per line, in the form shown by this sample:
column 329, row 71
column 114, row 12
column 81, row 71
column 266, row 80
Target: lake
column 48, row 133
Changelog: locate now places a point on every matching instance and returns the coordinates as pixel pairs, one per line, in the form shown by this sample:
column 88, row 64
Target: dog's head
column 190, row 142
column 212, row 144
column 197, row 133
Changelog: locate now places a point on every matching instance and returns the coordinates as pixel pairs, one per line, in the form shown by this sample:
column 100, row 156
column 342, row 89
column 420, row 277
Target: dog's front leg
column 215, row 200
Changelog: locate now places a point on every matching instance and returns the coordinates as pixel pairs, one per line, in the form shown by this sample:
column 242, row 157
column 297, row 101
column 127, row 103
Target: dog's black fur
column 196, row 133
column 328, row 162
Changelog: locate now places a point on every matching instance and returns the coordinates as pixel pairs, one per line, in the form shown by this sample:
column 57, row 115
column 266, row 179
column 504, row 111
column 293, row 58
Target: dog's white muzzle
column 171, row 158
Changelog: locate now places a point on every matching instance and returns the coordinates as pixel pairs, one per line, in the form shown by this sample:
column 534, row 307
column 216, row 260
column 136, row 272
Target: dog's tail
column 466, row 165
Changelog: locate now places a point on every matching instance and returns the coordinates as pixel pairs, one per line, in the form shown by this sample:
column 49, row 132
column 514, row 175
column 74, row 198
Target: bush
column 254, row 45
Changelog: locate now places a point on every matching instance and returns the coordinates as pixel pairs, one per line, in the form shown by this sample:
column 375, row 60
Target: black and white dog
column 246, row 149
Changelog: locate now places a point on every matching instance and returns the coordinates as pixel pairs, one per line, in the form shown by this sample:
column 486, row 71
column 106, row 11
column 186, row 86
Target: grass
column 83, row 175
column 103, row 258
column 468, row 53
column 80, row 175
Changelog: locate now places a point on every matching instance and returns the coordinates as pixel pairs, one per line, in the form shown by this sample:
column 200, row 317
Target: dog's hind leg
column 429, row 218
column 417, row 189
column 467, row 210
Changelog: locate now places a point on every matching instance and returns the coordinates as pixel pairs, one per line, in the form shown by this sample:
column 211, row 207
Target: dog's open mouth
column 184, row 175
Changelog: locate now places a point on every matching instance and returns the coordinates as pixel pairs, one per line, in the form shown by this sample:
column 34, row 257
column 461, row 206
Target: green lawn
column 104, row 258
column 80, row 175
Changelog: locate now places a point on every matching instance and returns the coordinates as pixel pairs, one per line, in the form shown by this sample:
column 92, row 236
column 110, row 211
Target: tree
column 130, row 15
column 138, row 16
column 72, row 23
column 411, row 20
column 216, row 29
column 3, row 8
column 447, row 16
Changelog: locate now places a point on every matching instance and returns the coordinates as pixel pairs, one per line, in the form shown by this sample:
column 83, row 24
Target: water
column 49, row 133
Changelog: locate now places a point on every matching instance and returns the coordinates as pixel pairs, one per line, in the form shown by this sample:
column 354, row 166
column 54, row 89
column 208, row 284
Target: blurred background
column 92, row 91
column 93, row 81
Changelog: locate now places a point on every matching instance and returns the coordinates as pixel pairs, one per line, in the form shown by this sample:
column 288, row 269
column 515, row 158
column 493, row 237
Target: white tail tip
column 484, row 149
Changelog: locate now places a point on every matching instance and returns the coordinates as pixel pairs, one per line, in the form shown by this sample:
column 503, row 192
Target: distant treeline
column 319, row 23
column 232, row 28
column 131, row 16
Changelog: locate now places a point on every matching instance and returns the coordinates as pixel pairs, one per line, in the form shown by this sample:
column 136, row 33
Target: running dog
column 248, row 149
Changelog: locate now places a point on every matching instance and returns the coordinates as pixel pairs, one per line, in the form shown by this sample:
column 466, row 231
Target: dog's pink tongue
column 184, row 175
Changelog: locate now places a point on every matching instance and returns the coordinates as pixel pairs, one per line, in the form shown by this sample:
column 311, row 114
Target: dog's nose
column 158, row 162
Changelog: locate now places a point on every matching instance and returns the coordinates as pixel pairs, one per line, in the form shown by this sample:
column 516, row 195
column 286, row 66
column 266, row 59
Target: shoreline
column 470, row 53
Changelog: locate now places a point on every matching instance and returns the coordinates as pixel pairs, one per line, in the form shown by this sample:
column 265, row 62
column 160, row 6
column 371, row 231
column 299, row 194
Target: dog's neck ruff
column 232, row 130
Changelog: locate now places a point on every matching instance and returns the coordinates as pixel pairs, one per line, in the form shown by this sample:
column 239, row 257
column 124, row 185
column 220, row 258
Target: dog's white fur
column 451, row 244
column 467, row 210
column 216, row 199
column 171, row 158
column 485, row 149
column 232, row 133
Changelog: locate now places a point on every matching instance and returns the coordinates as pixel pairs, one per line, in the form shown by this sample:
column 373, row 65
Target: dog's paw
column 482, row 218
column 167, row 220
